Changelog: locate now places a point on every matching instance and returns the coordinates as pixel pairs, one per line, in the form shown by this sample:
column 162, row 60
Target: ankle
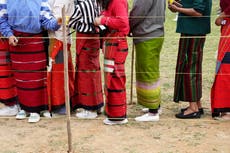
column 193, row 106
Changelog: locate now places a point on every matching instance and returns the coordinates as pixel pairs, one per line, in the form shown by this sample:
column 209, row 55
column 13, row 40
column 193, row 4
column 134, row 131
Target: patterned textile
column 147, row 72
column 8, row 94
column 221, row 86
column 188, row 79
column 29, row 64
column 56, row 93
column 84, row 15
column 88, row 85
column 116, row 51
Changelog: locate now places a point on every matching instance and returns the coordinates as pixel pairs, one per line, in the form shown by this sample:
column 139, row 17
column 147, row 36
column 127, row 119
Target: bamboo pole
column 132, row 65
column 66, row 78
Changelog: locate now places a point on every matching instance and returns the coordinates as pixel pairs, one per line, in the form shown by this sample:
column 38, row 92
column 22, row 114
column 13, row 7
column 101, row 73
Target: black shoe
column 201, row 110
column 188, row 116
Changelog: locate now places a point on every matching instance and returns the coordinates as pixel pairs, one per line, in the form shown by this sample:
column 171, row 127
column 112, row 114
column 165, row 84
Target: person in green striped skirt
column 193, row 23
column 147, row 27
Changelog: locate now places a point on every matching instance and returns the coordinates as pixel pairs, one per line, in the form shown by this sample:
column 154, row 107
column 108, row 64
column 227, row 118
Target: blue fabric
column 29, row 16
column 217, row 66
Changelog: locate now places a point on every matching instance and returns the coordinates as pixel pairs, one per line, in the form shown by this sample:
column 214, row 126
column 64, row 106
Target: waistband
column 23, row 34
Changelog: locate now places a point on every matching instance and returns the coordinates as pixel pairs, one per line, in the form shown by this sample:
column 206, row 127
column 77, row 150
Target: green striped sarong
column 188, row 78
column 147, row 72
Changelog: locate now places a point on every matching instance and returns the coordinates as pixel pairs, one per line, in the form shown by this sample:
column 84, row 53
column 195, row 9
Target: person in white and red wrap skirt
column 88, row 86
column 23, row 23
column 220, row 102
column 55, row 75
column 8, row 94
column 115, row 48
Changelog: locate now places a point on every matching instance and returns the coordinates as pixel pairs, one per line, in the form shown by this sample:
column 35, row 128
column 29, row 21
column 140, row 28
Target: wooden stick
column 132, row 65
column 66, row 78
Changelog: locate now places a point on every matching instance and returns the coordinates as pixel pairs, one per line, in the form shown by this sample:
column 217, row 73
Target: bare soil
column 169, row 135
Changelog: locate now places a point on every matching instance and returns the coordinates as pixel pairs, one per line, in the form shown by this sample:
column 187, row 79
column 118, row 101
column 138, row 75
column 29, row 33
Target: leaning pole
column 132, row 67
column 66, row 79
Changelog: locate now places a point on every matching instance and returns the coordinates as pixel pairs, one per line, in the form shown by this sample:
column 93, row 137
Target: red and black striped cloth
column 55, row 77
column 88, row 86
column 8, row 94
column 116, row 51
column 29, row 60
column 188, row 78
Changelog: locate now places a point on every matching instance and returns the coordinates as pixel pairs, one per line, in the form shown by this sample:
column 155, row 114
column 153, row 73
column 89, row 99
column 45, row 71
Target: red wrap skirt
column 55, row 77
column 88, row 86
column 220, row 92
column 8, row 94
column 116, row 51
column 29, row 59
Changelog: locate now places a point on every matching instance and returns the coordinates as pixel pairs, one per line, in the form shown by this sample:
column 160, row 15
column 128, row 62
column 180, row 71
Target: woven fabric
column 188, row 79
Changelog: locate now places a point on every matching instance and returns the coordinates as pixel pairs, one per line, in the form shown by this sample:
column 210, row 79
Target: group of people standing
column 31, row 63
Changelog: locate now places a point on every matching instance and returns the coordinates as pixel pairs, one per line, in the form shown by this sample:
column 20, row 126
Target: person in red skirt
column 88, row 94
column 23, row 23
column 55, row 75
column 220, row 103
column 8, row 94
column 115, row 48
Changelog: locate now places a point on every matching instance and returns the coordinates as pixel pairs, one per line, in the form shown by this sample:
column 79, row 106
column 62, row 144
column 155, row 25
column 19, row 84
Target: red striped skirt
column 55, row 77
column 8, row 94
column 29, row 63
column 220, row 98
column 88, row 85
column 116, row 51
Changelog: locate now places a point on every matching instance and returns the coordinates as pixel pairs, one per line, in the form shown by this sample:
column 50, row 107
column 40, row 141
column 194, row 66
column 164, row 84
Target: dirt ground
column 169, row 135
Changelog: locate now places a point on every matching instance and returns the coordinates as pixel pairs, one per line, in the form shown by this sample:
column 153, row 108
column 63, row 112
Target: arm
column 47, row 19
column 187, row 11
column 225, row 6
column 196, row 10
column 4, row 26
column 119, row 19
column 139, row 12
column 75, row 18
column 220, row 18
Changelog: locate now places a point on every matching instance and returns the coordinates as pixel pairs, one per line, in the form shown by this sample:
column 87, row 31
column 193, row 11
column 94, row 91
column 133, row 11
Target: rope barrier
column 207, row 36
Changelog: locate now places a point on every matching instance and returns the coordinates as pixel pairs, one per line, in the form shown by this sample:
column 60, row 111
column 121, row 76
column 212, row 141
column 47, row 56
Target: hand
column 218, row 21
column 177, row 4
column 13, row 41
column 59, row 21
column 172, row 8
column 97, row 21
